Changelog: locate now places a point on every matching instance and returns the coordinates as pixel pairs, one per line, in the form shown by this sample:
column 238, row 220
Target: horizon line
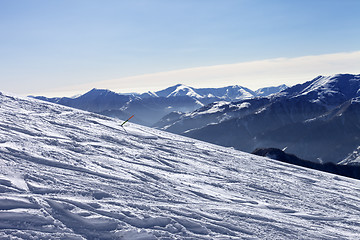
column 252, row 75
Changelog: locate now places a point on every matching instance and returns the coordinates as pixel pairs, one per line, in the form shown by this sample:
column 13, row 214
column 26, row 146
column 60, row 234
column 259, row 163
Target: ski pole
column 126, row 120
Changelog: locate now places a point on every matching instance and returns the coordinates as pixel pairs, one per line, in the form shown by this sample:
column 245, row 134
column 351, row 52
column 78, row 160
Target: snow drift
column 69, row 174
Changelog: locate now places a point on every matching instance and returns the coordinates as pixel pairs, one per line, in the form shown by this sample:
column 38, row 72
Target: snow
column 242, row 105
column 356, row 100
column 267, row 91
column 215, row 107
column 321, row 82
column 69, row 174
column 183, row 90
column 327, row 86
column 353, row 158
column 244, row 94
column 151, row 94
column 219, row 107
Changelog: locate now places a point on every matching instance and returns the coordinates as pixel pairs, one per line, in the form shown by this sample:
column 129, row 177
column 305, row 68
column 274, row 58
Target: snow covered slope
column 68, row 174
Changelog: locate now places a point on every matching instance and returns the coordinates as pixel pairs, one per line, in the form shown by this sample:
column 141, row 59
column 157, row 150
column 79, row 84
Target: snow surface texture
column 68, row 174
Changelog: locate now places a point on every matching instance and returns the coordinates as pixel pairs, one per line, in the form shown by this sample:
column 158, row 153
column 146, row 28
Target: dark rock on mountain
column 169, row 118
column 329, row 137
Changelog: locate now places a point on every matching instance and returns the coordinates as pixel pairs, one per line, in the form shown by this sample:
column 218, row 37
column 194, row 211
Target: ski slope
column 69, row 174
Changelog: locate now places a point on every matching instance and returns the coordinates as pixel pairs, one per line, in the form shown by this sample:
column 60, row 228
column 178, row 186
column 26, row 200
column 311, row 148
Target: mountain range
column 71, row 174
column 318, row 120
column 150, row 107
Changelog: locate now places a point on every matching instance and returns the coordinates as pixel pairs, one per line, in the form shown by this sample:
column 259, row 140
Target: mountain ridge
column 150, row 107
column 291, row 119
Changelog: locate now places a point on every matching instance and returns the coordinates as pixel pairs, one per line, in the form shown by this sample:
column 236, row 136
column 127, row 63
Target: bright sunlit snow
column 183, row 90
column 68, row 174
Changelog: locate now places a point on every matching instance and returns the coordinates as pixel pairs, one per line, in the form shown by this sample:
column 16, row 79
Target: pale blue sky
column 49, row 45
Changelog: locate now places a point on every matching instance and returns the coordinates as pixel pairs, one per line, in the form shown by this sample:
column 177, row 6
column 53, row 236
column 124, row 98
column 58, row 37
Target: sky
column 66, row 47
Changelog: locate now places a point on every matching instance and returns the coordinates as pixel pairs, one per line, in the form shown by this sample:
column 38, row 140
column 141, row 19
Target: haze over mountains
column 150, row 107
column 71, row 174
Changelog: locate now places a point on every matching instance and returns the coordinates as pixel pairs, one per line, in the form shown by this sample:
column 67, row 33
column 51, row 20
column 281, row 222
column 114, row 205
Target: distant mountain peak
column 165, row 92
column 319, row 82
column 97, row 91
column 183, row 90
column 150, row 107
column 100, row 90
column 266, row 91
column 329, row 91
column 333, row 81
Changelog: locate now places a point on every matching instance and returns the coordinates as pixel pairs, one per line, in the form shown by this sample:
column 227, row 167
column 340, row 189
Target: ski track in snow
column 68, row 174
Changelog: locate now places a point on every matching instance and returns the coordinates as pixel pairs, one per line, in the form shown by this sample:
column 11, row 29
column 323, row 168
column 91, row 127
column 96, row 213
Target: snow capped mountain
column 150, row 107
column 317, row 120
column 96, row 100
column 166, row 92
column 182, row 90
column 230, row 93
column 266, row 91
column 329, row 91
column 69, row 174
